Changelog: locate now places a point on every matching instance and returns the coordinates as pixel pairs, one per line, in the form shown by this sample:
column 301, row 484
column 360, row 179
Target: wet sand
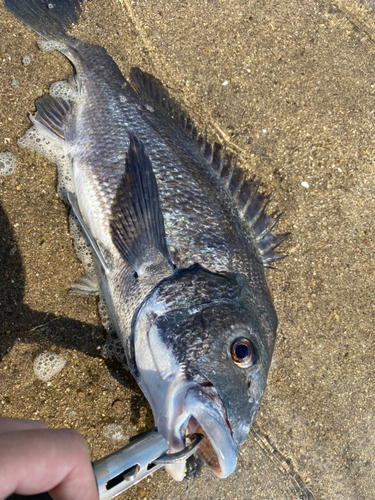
column 290, row 87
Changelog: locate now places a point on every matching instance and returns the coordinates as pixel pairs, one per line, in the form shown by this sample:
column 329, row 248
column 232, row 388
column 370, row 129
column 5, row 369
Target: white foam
column 42, row 141
column 49, row 45
column 113, row 349
column 52, row 150
column 113, row 432
column 64, row 90
column 47, row 365
column 8, row 163
column 26, row 60
column 103, row 313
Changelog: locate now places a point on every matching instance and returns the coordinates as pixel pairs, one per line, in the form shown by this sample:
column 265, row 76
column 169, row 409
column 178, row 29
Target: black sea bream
column 179, row 238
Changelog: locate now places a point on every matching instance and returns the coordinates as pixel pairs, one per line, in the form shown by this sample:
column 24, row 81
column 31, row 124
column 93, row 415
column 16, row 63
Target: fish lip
column 209, row 389
column 204, row 412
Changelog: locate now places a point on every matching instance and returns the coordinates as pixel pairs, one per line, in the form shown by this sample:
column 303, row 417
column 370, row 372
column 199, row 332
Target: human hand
column 35, row 459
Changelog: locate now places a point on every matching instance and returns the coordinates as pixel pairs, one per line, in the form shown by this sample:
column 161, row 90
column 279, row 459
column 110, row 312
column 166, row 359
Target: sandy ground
column 290, row 86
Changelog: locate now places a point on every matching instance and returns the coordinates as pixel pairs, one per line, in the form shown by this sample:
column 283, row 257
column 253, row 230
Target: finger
column 19, row 424
column 51, row 460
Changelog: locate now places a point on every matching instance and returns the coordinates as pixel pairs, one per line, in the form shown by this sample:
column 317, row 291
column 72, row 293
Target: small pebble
column 118, row 406
column 305, row 184
column 225, row 83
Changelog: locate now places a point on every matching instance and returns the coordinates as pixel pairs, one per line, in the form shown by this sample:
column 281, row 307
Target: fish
column 174, row 238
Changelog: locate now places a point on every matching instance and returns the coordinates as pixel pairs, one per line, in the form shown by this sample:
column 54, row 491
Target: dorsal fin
column 250, row 202
column 137, row 223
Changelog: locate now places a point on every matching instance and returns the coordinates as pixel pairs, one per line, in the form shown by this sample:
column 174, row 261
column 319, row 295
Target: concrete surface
column 291, row 87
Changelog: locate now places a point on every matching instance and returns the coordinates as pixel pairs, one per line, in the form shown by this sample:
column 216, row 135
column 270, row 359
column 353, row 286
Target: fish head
column 201, row 349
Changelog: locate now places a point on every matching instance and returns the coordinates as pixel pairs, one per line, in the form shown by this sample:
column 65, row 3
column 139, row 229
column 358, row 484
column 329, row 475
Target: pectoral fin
column 137, row 223
column 85, row 286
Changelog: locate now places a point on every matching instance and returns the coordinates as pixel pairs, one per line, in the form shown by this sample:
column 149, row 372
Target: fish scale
column 179, row 239
column 114, row 118
column 183, row 217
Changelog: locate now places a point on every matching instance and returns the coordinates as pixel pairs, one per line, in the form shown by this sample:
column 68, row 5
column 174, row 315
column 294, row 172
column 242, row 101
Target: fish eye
column 243, row 352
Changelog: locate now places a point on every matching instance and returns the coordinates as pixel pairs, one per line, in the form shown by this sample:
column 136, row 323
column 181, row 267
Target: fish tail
column 49, row 18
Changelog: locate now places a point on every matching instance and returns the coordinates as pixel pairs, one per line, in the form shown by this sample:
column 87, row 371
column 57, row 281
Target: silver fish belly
column 179, row 236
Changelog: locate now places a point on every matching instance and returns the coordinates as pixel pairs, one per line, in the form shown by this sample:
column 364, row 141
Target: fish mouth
column 203, row 412
column 206, row 451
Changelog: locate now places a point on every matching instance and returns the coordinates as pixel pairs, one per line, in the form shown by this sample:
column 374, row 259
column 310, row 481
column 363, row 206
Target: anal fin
column 137, row 223
column 51, row 115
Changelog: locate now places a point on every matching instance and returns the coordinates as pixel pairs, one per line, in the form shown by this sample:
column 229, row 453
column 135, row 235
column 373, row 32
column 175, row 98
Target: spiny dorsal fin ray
column 154, row 93
column 272, row 257
column 268, row 228
column 271, row 242
column 137, row 223
column 250, row 202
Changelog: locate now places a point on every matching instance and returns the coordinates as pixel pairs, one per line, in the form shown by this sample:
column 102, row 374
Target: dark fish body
column 179, row 238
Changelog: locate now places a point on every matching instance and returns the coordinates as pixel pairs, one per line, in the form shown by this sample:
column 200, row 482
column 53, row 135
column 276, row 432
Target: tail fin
column 48, row 18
